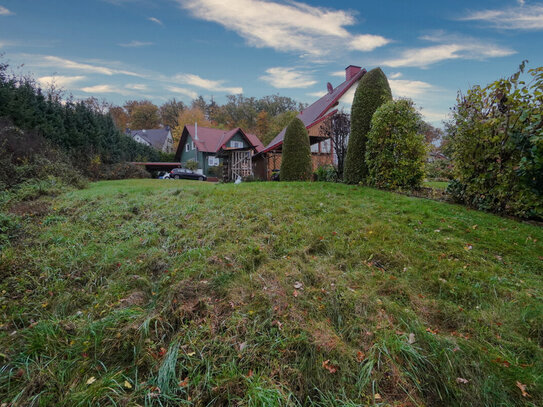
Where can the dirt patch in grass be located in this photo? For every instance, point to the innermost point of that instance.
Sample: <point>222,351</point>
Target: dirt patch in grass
<point>31,208</point>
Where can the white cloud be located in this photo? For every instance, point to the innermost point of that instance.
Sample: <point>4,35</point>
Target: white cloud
<point>102,89</point>
<point>368,42</point>
<point>339,74</point>
<point>155,20</point>
<point>59,81</point>
<point>435,117</point>
<point>395,75</point>
<point>182,91</point>
<point>317,94</point>
<point>282,77</point>
<point>524,17</point>
<point>135,44</point>
<point>449,48</point>
<point>292,27</point>
<point>408,88</point>
<point>136,86</point>
<point>5,12</point>
<point>199,82</point>
<point>61,63</point>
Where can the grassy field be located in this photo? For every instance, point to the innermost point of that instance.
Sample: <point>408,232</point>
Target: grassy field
<point>436,184</point>
<point>173,293</point>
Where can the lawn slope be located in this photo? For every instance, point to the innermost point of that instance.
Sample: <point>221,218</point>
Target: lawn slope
<point>168,293</point>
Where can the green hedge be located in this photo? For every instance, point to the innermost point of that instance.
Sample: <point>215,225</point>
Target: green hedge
<point>296,160</point>
<point>395,150</point>
<point>373,90</point>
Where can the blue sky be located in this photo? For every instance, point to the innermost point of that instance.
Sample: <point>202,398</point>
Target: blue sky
<point>159,49</point>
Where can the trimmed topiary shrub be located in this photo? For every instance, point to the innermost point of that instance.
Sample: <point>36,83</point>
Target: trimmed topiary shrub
<point>395,150</point>
<point>373,90</point>
<point>296,160</point>
<point>496,144</point>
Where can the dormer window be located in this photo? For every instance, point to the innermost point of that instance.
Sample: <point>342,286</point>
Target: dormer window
<point>236,144</point>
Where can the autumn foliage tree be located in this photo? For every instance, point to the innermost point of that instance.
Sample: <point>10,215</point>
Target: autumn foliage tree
<point>296,159</point>
<point>373,90</point>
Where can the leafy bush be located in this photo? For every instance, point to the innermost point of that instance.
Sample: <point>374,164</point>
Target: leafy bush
<point>122,171</point>
<point>496,144</point>
<point>296,161</point>
<point>191,165</point>
<point>326,173</point>
<point>216,171</point>
<point>439,170</point>
<point>395,150</point>
<point>372,91</point>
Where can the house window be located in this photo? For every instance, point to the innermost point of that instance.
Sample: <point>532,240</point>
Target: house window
<point>326,146</point>
<point>213,161</point>
<point>187,148</point>
<point>193,146</point>
<point>236,144</point>
<point>315,148</point>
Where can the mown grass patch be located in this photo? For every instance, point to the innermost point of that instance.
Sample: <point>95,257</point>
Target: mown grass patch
<point>151,292</point>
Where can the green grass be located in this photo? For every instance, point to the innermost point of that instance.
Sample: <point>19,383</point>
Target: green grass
<point>168,293</point>
<point>436,184</point>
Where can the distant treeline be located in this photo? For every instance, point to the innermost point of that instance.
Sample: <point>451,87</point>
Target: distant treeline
<point>79,128</point>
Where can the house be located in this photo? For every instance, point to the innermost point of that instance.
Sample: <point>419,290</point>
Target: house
<point>160,139</point>
<point>314,116</point>
<point>218,153</point>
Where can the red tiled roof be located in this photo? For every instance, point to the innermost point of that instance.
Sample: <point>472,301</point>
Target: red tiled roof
<point>211,140</point>
<point>314,113</point>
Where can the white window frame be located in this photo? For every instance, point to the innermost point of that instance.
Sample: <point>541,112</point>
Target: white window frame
<point>236,144</point>
<point>213,161</point>
<point>193,146</point>
<point>187,147</point>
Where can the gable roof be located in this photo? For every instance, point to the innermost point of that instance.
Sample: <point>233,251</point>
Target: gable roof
<point>316,112</point>
<point>155,137</point>
<point>212,140</point>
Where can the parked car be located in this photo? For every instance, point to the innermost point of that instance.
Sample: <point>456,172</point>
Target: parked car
<point>163,175</point>
<point>184,173</point>
<point>275,175</point>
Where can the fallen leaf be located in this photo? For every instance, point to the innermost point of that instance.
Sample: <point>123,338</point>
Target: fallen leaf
<point>328,366</point>
<point>377,397</point>
<point>411,338</point>
<point>522,388</point>
<point>127,384</point>
<point>250,374</point>
<point>298,285</point>
<point>91,380</point>
<point>360,356</point>
<point>295,293</point>
<point>468,247</point>
<point>461,380</point>
<point>184,382</point>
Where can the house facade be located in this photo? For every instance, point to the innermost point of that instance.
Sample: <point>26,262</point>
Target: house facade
<point>160,139</point>
<point>314,117</point>
<point>212,149</point>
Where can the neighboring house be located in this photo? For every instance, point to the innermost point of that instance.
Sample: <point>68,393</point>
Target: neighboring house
<point>160,139</point>
<point>269,159</point>
<point>218,153</point>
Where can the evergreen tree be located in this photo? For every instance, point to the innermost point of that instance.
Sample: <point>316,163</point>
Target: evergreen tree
<point>373,90</point>
<point>296,160</point>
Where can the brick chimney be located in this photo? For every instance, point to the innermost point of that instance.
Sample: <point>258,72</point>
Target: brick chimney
<point>351,71</point>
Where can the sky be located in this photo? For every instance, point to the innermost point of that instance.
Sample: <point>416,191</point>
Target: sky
<point>120,50</point>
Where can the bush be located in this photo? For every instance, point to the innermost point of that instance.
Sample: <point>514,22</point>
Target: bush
<point>122,171</point>
<point>372,91</point>
<point>395,150</point>
<point>191,165</point>
<point>296,160</point>
<point>439,170</point>
<point>326,173</point>
<point>496,144</point>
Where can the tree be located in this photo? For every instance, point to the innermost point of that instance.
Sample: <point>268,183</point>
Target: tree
<point>262,124</point>
<point>337,128</point>
<point>373,90</point>
<point>145,116</point>
<point>277,124</point>
<point>188,117</point>
<point>296,159</point>
<point>495,140</point>
<point>120,117</point>
<point>395,148</point>
<point>432,135</point>
<point>169,112</point>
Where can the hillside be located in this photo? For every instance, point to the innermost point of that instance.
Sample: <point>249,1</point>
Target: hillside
<point>150,292</point>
